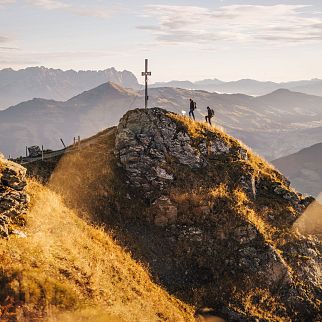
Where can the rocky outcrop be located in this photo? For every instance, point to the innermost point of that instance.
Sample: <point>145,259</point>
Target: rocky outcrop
<point>224,216</point>
<point>143,145</point>
<point>13,197</point>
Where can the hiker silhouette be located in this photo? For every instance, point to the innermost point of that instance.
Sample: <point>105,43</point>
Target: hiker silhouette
<point>210,115</point>
<point>193,106</point>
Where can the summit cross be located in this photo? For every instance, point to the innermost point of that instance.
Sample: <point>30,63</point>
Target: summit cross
<point>146,73</point>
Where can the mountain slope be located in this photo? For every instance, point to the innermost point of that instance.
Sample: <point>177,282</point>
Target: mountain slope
<point>304,169</point>
<point>213,221</point>
<point>65,269</point>
<point>25,84</point>
<point>261,122</point>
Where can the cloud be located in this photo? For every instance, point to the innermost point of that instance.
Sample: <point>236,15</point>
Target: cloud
<point>8,48</point>
<point>97,11</point>
<point>20,58</point>
<point>49,4</point>
<point>275,24</point>
<point>3,3</point>
<point>4,39</point>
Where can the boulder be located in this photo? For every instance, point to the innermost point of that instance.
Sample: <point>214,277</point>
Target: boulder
<point>145,141</point>
<point>13,198</point>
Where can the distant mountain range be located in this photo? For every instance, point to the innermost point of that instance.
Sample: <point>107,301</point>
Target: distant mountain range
<point>274,125</point>
<point>304,169</point>
<point>247,86</point>
<point>25,84</point>
<point>40,82</point>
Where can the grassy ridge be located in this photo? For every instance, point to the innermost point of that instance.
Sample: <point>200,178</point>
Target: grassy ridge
<point>66,264</point>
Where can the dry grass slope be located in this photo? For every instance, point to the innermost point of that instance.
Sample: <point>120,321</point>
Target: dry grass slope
<point>67,265</point>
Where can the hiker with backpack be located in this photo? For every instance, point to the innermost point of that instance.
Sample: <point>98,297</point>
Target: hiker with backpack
<point>210,115</point>
<point>193,106</point>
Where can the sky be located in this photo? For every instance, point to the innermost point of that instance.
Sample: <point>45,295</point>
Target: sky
<point>184,40</point>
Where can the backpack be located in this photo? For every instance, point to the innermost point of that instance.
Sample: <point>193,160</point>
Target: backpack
<point>195,106</point>
<point>212,112</point>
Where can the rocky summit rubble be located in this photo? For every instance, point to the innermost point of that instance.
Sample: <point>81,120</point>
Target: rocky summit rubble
<point>13,197</point>
<point>217,220</point>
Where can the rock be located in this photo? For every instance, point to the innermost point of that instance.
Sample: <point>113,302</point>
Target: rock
<point>164,211</point>
<point>245,234</point>
<point>218,147</point>
<point>19,233</point>
<point>243,154</point>
<point>4,222</point>
<point>13,198</point>
<point>161,173</point>
<point>13,175</point>
<point>142,146</point>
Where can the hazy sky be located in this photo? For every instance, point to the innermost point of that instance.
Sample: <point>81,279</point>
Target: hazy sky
<point>227,39</point>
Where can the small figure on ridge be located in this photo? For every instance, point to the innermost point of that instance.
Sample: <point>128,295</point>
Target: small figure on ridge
<point>210,115</point>
<point>193,106</point>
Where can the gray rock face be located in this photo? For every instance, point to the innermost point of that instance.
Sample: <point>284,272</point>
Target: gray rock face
<point>13,198</point>
<point>145,142</point>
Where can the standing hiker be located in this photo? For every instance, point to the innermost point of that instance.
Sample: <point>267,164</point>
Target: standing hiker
<point>193,106</point>
<point>210,115</point>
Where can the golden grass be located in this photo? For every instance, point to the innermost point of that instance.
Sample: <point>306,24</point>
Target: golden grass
<point>259,303</point>
<point>66,264</point>
<point>201,130</point>
<point>242,207</point>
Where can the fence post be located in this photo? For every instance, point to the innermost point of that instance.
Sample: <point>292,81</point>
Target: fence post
<point>42,153</point>
<point>26,152</point>
<point>79,143</point>
<point>63,143</point>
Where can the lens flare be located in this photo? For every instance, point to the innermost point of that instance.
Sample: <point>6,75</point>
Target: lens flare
<point>310,223</point>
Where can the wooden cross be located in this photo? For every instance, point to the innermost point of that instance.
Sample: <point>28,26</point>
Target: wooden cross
<point>146,74</point>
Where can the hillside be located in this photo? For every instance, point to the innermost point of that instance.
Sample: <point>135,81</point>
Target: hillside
<point>214,222</point>
<point>304,169</point>
<point>273,125</point>
<point>25,84</point>
<point>61,268</point>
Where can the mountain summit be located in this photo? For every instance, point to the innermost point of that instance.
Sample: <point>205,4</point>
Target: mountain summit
<point>212,221</point>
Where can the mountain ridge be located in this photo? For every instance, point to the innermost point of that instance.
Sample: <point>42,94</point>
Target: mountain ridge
<point>214,222</point>
<point>248,86</point>
<point>20,85</point>
<point>284,117</point>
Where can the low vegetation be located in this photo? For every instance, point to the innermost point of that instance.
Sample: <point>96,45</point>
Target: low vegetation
<point>68,270</point>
